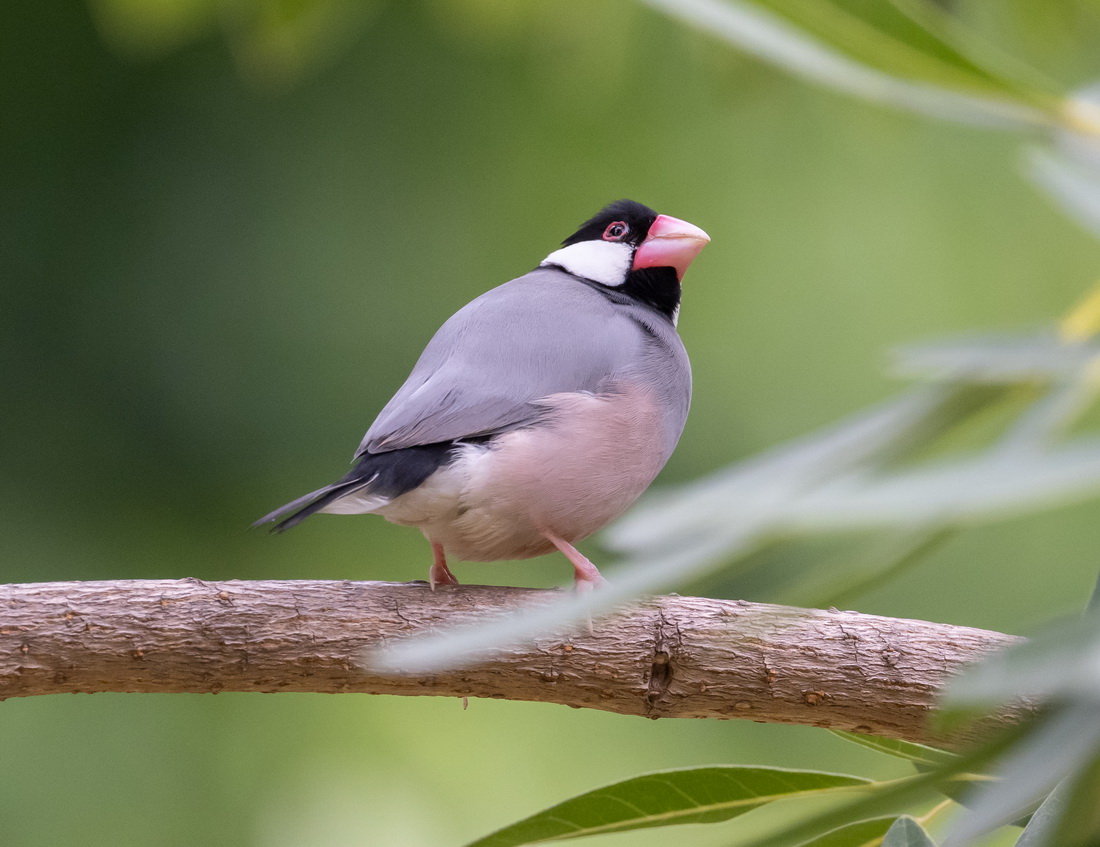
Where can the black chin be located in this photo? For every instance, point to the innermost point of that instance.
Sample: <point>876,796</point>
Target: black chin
<point>658,288</point>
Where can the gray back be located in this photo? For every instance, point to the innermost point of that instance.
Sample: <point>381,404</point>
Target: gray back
<point>544,333</point>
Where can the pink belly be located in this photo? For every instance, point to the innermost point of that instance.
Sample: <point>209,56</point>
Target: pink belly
<point>572,476</point>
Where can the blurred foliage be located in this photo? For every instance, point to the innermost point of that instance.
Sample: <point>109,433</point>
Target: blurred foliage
<point>229,227</point>
<point>275,43</point>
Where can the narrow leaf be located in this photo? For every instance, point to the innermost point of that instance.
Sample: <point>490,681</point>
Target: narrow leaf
<point>868,833</point>
<point>1071,180</point>
<point>838,581</point>
<point>1043,823</point>
<point>769,36</point>
<point>996,359</point>
<point>1053,414</point>
<point>694,795</point>
<point>879,36</point>
<point>991,485</point>
<point>906,832</point>
<point>1079,823</point>
<point>966,41</point>
<point>919,753</point>
<point>1062,743</point>
<point>886,797</point>
<point>1060,664</point>
<point>761,486</point>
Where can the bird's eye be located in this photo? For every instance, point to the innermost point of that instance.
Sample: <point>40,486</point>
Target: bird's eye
<point>616,231</point>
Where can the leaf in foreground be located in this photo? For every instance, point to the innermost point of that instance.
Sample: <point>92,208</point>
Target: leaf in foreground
<point>1064,741</point>
<point>1061,664</point>
<point>906,832</point>
<point>1045,820</point>
<point>1070,816</point>
<point>919,753</point>
<point>867,833</point>
<point>883,798</point>
<point>839,55</point>
<point>693,795</point>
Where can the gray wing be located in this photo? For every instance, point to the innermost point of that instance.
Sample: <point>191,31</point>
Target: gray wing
<point>488,366</point>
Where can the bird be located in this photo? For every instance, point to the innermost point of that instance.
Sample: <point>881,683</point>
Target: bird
<point>541,410</point>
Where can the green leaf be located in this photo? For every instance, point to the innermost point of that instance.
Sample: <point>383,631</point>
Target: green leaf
<point>1079,823</point>
<point>836,481</point>
<point>995,484</point>
<point>880,36</point>
<point>908,750</point>
<point>694,795</point>
<point>996,359</point>
<point>1067,165</point>
<point>1052,415</point>
<point>1069,816</point>
<point>868,833</point>
<point>839,580</point>
<point>937,19</point>
<point>884,798</point>
<point>906,832</point>
<point>1043,823</point>
<point>873,52</point>
<point>925,758</point>
<point>1064,742</point>
<point>1060,664</point>
<point>760,488</point>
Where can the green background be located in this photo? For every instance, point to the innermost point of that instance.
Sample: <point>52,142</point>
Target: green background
<point>221,251</point>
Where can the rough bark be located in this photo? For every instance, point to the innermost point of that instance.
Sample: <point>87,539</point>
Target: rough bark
<point>684,657</point>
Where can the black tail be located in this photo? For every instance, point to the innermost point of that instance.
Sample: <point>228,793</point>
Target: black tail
<point>296,511</point>
<point>387,474</point>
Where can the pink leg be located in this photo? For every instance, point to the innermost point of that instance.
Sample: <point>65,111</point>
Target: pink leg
<point>585,575</point>
<point>440,574</point>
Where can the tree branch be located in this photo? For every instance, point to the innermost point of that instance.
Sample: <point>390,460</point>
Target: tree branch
<point>685,657</point>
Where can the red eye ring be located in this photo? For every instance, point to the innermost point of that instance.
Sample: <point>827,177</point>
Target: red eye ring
<point>616,231</point>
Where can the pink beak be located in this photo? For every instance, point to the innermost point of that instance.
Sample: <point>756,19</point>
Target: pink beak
<point>671,243</point>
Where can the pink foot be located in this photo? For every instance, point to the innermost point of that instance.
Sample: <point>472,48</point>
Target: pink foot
<point>585,575</point>
<point>440,574</point>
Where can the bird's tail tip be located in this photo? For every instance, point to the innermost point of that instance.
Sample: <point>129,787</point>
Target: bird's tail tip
<point>296,511</point>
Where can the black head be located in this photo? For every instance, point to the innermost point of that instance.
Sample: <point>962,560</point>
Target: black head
<point>634,219</point>
<point>633,254</point>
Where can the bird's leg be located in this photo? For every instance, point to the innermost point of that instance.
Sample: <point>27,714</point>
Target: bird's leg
<point>585,575</point>
<point>440,574</point>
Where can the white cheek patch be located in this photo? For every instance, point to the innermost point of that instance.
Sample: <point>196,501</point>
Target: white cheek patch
<point>605,262</point>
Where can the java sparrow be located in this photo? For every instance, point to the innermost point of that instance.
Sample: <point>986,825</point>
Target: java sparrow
<point>541,410</point>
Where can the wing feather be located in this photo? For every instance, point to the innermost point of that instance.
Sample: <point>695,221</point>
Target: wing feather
<point>489,366</point>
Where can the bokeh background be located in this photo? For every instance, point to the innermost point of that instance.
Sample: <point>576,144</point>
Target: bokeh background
<point>228,228</point>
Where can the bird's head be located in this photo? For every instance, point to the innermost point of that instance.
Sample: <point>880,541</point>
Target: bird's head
<point>629,247</point>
